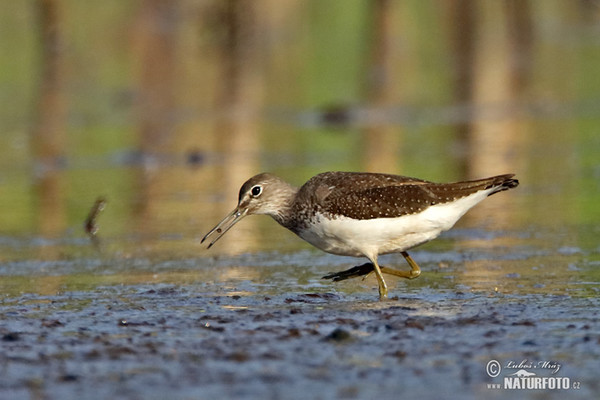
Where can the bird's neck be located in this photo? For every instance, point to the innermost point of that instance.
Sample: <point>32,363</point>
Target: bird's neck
<point>285,198</point>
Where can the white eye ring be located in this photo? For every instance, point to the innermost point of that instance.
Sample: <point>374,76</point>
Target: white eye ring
<point>256,191</point>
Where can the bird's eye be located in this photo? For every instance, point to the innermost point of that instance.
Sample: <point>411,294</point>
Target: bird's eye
<point>256,191</point>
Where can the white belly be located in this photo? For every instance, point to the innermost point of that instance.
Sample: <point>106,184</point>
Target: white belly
<point>352,237</point>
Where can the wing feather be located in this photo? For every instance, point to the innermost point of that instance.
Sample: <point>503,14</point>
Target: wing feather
<point>368,196</point>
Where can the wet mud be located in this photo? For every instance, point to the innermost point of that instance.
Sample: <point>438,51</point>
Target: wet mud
<point>208,340</point>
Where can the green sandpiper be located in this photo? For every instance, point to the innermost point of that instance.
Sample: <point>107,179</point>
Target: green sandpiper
<point>362,214</point>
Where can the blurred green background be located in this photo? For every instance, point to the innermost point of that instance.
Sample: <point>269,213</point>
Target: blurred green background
<point>167,107</point>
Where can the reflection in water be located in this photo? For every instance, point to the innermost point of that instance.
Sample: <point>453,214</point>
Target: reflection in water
<point>218,82</point>
<point>495,270</point>
<point>490,74</point>
<point>381,139</point>
<point>48,134</point>
<point>461,15</point>
<point>239,99</point>
<point>156,39</point>
<point>492,144</point>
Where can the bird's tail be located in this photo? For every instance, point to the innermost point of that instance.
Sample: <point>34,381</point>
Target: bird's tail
<point>493,185</point>
<point>500,183</point>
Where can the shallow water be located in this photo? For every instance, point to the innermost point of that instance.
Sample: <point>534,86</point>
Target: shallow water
<point>264,324</point>
<point>144,310</point>
<point>152,313</point>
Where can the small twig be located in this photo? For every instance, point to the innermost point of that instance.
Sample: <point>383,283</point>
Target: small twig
<point>91,228</point>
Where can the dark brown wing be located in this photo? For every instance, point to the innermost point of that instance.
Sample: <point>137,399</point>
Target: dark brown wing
<point>368,196</point>
<point>351,180</point>
<point>380,202</point>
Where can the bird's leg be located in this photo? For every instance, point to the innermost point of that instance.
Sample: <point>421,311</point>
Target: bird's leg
<point>383,291</point>
<point>414,272</point>
<point>363,270</point>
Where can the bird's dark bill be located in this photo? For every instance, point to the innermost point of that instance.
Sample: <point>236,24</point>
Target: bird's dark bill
<point>222,227</point>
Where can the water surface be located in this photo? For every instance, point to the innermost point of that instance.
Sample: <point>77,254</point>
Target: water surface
<point>166,124</point>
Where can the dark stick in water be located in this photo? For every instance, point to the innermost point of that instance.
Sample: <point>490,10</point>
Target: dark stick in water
<point>91,228</point>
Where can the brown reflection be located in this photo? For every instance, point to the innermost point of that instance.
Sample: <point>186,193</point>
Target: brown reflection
<point>48,134</point>
<point>461,20</point>
<point>381,140</point>
<point>495,76</point>
<point>501,77</point>
<point>492,72</point>
<point>239,100</point>
<point>157,34</point>
<point>156,44</point>
<point>520,40</point>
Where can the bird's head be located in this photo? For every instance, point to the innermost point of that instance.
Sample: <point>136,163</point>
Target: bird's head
<point>262,194</point>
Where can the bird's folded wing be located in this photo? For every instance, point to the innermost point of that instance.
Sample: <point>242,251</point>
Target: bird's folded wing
<point>380,202</point>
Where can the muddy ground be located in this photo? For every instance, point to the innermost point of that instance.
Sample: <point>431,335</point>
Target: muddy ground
<point>211,339</point>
